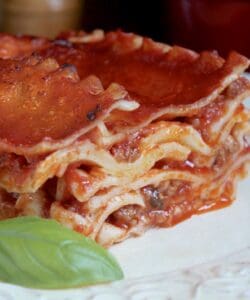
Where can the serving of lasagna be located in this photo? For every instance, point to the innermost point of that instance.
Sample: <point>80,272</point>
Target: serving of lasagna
<point>112,134</point>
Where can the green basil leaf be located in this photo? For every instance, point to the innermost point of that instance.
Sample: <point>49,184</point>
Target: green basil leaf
<point>41,253</point>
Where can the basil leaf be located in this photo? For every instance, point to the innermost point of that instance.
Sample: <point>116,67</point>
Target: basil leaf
<point>41,253</point>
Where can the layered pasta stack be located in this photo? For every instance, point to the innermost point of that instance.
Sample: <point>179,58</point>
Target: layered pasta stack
<point>111,134</point>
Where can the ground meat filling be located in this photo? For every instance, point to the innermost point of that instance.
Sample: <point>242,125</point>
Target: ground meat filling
<point>127,151</point>
<point>168,201</point>
<point>153,198</point>
<point>229,150</point>
<point>127,216</point>
<point>162,203</point>
<point>7,205</point>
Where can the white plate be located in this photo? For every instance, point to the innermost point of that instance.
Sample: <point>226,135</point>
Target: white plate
<point>204,258</point>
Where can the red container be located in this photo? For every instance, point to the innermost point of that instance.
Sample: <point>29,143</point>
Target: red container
<point>210,24</point>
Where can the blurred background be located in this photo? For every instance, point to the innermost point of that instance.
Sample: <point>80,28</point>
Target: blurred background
<point>197,24</point>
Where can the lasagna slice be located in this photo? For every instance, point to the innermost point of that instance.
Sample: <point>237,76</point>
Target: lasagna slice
<point>112,134</point>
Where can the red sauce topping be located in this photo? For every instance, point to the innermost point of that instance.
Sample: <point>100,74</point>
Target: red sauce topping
<point>152,76</point>
<point>51,102</point>
<point>39,100</point>
<point>13,46</point>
